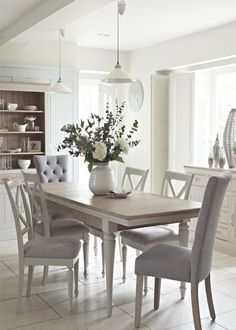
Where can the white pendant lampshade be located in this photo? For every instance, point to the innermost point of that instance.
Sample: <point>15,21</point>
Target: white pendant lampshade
<point>118,76</point>
<point>60,87</point>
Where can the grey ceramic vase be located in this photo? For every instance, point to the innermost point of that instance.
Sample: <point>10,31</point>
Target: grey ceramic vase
<point>229,137</point>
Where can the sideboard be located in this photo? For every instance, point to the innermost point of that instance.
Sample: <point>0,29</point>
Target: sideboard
<point>226,230</point>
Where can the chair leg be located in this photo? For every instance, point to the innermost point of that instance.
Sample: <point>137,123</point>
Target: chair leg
<point>20,286</point>
<point>88,244</point>
<point>30,277</point>
<point>45,274</point>
<point>157,293</point>
<point>138,300</point>
<point>195,307</point>
<point>95,246</point>
<point>103,259</point>
<point>76,272</point>
<point>145,290</point>
<point>124,258</point>
<point>182,289</point>
<point>70,287</point>
<point>85,251</point>
<point>120,246</point>
<point>209,297</point>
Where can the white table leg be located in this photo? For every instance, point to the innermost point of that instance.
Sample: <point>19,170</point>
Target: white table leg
<point>109,253</point>
<point>183,240</point>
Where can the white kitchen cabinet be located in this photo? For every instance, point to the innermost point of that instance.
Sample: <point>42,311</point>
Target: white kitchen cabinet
<point>6,216</point>
<point>226,229</point>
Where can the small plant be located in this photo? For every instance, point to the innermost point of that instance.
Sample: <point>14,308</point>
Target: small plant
<point>210,155</point>
<point>222,158</point>
<point>234,147</point>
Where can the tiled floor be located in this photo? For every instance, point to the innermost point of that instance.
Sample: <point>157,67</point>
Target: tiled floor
<point>47,308</point>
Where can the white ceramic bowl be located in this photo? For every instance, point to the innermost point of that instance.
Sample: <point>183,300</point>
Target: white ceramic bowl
<point>12,106</point>
<point>24,163</point>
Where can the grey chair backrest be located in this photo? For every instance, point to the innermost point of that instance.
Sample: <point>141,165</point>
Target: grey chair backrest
<point>206,226</point>
<point>171,179</point>
<point>18,199</point>
<point>130,173</point>
<point>52,168</point>
<point>39,210</point>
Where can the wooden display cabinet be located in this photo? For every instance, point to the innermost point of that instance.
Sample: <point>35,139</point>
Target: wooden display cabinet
<point>31,142</point>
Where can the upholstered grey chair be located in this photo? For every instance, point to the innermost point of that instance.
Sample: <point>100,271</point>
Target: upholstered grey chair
<point>176,185</point>
<point>134,179</point>
<point>52,168</point>
<point>184,264</point>
<point>43,227</point>
<point>40,251</point>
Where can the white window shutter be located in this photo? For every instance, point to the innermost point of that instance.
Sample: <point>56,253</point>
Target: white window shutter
<point>181,116</point>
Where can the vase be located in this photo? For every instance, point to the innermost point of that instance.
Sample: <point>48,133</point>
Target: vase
<point>101,179</point>
<point>229,137</point>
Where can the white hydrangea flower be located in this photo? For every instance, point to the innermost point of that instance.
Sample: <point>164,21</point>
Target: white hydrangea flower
<point>100,151</point>
<point>122,144</point>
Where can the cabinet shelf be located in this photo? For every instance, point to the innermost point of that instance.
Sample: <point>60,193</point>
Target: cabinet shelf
<point>26,132</point>
<point>21,153</point>
<point>21,111</point>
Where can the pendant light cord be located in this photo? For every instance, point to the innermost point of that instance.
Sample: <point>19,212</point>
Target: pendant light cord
<point>118,36</point>
<point>59,55</point>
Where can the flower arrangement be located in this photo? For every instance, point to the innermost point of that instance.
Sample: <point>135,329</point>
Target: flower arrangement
<point>100,139</point>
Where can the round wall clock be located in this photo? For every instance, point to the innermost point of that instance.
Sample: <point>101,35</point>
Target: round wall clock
<point>136,95</point>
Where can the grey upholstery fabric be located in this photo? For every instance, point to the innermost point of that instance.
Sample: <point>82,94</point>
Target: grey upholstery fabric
<point>183,264</point>
<point>64,248</point>
<point>148,235</point>
<point>64,228</point>
<point>52,168</point>
<point>206,227</point>
<point>165,261</point>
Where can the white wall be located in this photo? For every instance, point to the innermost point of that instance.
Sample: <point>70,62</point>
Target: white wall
<point>45,53</point>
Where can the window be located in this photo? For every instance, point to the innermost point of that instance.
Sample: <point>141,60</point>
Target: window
<point>215,96</point>
<point>93,97</point>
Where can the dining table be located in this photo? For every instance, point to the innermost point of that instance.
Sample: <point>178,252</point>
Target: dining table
<point>111,215</point>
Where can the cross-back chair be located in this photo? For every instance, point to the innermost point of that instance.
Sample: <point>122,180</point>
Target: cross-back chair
<point>136,179</point>
<point>45,227</point>
<point>184,264</point>
<point>176,185</point>
<point>39,251</point>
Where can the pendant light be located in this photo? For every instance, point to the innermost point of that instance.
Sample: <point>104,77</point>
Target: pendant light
<point>60,87</point>
<point>118,76</point>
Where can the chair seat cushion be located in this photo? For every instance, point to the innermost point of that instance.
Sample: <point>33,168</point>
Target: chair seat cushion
<point>165,261</point>
<point>53,215</point>
<point>63,248</point>
<point>149,235</point>
<point>64,228</point>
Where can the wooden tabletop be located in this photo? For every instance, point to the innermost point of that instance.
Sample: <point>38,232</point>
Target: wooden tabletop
<point>138,205</point>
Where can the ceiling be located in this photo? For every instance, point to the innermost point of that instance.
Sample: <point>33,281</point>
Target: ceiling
<point>92,23</point>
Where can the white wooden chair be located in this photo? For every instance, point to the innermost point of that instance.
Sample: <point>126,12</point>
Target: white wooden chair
<point>42,226</point>
<point>135,179</point>
<point>39,251</point>
<point>176,185</point>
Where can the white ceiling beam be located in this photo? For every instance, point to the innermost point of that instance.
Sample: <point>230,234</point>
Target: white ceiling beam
<point>35,16</point>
